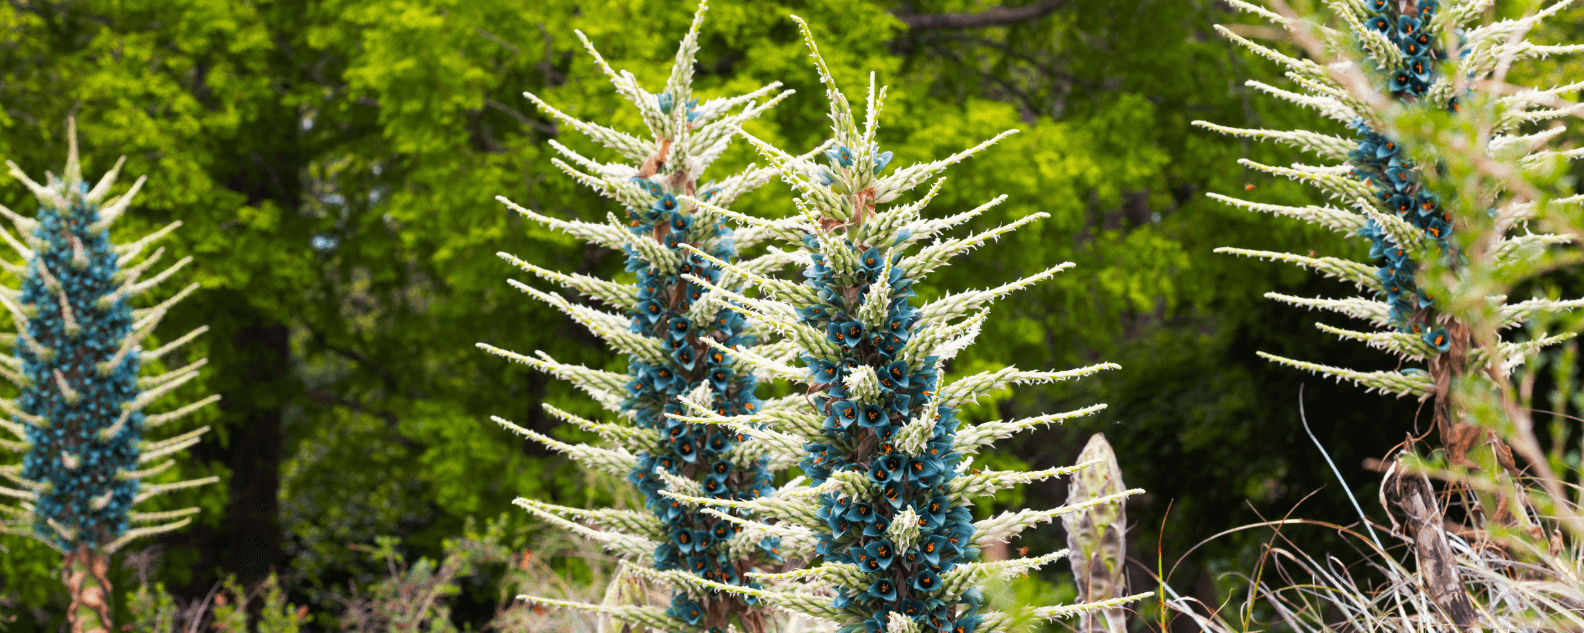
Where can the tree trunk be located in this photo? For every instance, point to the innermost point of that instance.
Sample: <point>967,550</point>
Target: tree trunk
<point>253,512</point>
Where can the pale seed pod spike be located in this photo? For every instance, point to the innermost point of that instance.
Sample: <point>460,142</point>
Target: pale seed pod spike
<point>1096,537</point>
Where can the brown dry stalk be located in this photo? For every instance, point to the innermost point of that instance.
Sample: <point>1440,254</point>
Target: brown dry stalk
<point>1412,496</point>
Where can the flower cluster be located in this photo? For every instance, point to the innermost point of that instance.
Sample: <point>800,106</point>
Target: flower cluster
<point>1399,187</point>
<point>1397,183</point>
<point>665,300</point>
<point>78,352</point>
<point>868,393</point>
<point>76,337</point>
<point>1384,193</point>
<point>885,508</point>
<point>677,344</point>
<point>1410,34</point>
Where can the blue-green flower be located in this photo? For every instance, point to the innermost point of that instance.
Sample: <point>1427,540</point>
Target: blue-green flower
<point>880,161</point>
<point>846,412</point>
<point>844,331</point>
<point>877,527</point>
<point>861,513</point>
<point>840,156</point>
<point>873,417</point>
<point>1438,339</point>
<point>883,589</point>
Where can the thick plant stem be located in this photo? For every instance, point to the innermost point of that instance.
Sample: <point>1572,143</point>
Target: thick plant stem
<point>1415,500</point>
<point>85,573</point>
<point>1471,446</point>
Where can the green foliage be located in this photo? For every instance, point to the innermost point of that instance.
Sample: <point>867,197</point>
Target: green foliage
<point>366,235</point>
<point>225,610</point>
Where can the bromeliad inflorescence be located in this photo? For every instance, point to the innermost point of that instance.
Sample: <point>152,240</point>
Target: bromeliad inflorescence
<point>78,352</point>
<point>1411,75</point>
<point>1384,194</point>
<point>886,506</point>
<point>1398,184</point>
<point>673,336</point>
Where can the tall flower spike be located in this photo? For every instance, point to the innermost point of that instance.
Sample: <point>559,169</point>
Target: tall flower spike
<point>886,511</point>
<point>1386,198</point>
<point>1382,193</point>
<point>677,344</point>
<point>79,415</point>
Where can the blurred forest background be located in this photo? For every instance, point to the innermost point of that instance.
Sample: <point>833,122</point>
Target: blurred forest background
<point>335,164</point>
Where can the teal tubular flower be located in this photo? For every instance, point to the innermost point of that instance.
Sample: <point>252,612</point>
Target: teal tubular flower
<point>1438,339</point>
<point>883,589</point>
<point>932,548</point>
<point>846,412</point>
<point>719,442</point>
<point>840,156</point>
<point>881,552</point>
<point>897,373</point>
<point>861,513</point>
<point>822,372</point>
<point>878,473</point>
<point>933,512</point>
<point>873,417</point>
<point>1407,27</point>
<point>878,527</point>
<point>844,331</point>
<point>682,539</point>
<point>667,204</point>
<point>893,492</point>
<point>920,468</point>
